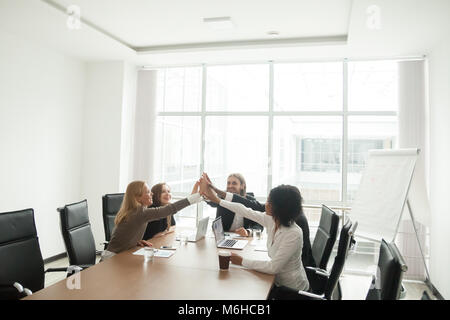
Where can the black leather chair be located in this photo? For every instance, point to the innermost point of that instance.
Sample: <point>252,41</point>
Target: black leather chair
<point>328,283</point>
<point>111,205</point>
<point>325,237</point>
<point>322,246</point>
<point>387,285</point>
<point>77,234</point>
<point>21,268</point>
<point>329,287</point>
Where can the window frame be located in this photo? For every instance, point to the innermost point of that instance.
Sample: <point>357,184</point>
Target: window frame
<point>271,114</point>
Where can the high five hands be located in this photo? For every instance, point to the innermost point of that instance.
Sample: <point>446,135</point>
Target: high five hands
<point>207,189</point>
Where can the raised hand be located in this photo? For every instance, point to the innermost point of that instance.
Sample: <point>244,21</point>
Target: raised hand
<point>206,177</point>
<point>196,187</point>
<point>204,185</point>
<point>207,192</point>
<point>219,192</point>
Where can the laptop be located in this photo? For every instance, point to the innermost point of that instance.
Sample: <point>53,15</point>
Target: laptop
<point>200,232</point>
<point>221,242</point>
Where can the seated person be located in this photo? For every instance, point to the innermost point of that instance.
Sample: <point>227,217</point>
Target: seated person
<point>235,223</point>
<point>284,237</point>
<point>161,197</point>
<point>135,213</point>
<point>301,220</point>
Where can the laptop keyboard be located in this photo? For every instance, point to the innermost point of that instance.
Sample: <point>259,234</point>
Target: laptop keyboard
<point>229,243</point>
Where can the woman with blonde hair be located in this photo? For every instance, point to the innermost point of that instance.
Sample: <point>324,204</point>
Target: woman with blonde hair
<point>135,213</point>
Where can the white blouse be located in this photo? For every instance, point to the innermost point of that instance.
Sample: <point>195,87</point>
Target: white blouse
<point>284,249</point>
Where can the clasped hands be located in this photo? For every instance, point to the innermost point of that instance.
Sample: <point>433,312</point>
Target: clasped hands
<point>207,189</point>
<point>209,192</point>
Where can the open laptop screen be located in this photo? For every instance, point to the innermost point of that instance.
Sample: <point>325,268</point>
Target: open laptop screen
<point>218,230</point>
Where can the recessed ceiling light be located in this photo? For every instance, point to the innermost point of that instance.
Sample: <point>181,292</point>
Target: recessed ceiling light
<point>219,23</point>
<point>273,33</point>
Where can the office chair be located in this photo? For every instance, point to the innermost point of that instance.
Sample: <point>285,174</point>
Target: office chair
<point>328,283</point>
<point>387,285</point>
<point>325,237</point>
<point>111,205</point>
<point>77,234</point>
<point>22,267</point>
<point>324,241</point>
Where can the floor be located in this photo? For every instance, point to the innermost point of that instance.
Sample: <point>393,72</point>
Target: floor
<point>354,286</point>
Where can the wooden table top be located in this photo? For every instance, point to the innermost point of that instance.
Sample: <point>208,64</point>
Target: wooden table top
<point>191,273</point>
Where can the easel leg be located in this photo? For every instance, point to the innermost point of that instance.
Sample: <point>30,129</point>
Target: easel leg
<point>418,240</point>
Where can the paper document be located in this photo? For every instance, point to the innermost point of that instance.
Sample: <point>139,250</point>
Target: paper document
<point>261,248</point>
<point>158,253</point>
<point>232,235</point>
<point>259,243</point>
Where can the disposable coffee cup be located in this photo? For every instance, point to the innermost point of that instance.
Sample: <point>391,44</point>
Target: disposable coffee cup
<point>224,260</point>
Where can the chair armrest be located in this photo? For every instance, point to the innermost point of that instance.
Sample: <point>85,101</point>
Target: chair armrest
<point>14,291</point>
<point>373,282</point>
<point>105,245</point>
<point>84,266</point>
<point>319,271</point>
<point>63,269</point>
<point>312,296</point>
<point>69,268</point>
<point>15,285</point>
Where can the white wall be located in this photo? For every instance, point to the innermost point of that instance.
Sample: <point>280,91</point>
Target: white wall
<point>41,109</point>
<point>101,138</point>
<point>145,126</point>
<point>66,134</point>
<point>107,142</point>
<point>439,84</point>
<point>128,124</point>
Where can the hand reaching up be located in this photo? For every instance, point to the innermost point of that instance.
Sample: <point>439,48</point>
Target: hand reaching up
<point>221,194</point>
<point>196,188</point>
<point>207,192</point>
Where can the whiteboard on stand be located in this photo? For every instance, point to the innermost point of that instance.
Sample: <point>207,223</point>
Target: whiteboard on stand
<point>382,193</point>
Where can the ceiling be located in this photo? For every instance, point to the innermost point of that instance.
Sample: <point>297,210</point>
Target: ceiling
<point>156,32</point>
<point>149,23</point>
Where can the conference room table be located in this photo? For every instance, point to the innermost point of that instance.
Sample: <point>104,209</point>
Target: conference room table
<point>191,273</point>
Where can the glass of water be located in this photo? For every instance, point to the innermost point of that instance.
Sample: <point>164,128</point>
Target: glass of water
<point>149,252</point>
<point>183,239</point>
<point>257,234</point>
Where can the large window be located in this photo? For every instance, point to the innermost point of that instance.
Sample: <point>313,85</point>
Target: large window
<point>306,124</point>
<point>307,154</point>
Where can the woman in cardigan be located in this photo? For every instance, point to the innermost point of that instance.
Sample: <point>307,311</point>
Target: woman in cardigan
<point>134,214</point>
